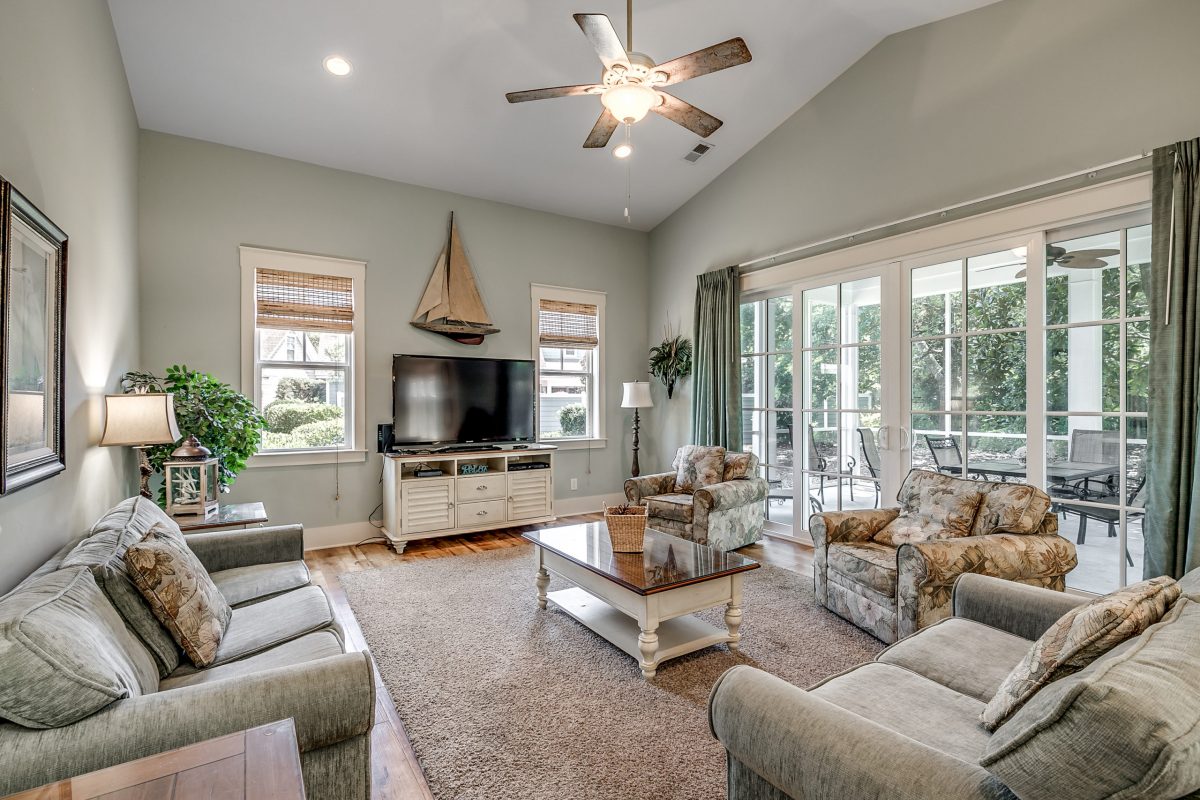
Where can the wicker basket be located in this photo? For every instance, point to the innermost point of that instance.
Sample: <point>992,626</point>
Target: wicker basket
<point>626,531</point>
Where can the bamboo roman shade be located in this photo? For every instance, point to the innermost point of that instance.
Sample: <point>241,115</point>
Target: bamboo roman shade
<point>303,301</point>
<point>570,325</point>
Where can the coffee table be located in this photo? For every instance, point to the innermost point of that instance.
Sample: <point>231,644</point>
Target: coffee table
<point>642,602</point>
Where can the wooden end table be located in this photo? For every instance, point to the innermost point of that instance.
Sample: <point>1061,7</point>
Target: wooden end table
<point>227,515</point>
<point>642,602</point>
<point>261,763</point>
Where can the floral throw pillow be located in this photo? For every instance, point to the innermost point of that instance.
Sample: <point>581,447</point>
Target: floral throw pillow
<point>698,466</point>
<point>1078,638</point>
<point>943,511</point>
<point>739,466</point>
<point>179,592</point>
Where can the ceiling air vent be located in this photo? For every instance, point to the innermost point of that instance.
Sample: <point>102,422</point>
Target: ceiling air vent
<point>700,149</point>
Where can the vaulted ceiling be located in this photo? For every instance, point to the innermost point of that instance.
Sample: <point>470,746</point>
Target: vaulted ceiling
<point>425,101</point>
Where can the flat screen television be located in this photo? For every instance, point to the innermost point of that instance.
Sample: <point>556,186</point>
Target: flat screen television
<point>440,401</point>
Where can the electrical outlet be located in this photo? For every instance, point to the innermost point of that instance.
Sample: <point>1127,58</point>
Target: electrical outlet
<point>574,484</point>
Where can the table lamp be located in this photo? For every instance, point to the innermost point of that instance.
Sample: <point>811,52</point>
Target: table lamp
<point>636,395</point>
<point>140,420</point>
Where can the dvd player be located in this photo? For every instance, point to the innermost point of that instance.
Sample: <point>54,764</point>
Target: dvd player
<point>523,465</point>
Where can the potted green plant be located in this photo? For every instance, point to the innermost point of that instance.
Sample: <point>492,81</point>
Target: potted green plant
<point>224,420</point>
<point>671,361</point>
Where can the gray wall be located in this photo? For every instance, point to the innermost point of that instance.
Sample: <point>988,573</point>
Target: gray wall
<point>68,142</point>
<point>1011,94</point>
<point>199,201</point>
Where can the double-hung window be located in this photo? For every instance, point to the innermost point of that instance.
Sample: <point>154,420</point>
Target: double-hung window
<point>304,354</point>
<point>568,339</point>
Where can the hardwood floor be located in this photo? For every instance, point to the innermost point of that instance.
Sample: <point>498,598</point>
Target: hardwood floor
<point>396,773</point>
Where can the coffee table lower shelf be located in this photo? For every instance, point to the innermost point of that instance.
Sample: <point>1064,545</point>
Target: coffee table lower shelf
<point>676,637</point>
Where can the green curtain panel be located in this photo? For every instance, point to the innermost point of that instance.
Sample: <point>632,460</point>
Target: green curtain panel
<point>716,390</point>
<point>1172,526</point>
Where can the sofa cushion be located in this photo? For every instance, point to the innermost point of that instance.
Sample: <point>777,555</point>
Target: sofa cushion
<point>932,509</point>
<point>962,655</point>
<point>259,626</point>
<point>697,466</point>
<point>1128,725</point>
<point>1010,508</point>
<point>180,593</point>
<point>677,506</point>
<point>869,564</point>
<point>52,564</point>
<point>310,647</point>
<point>242,585</point>
<point>1078,638</point>
<point>739,466</point>
<point>103,551</point>
<point>910,705</point>
<point>66,652</point>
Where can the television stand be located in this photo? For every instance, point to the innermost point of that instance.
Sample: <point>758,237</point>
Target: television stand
<point>504,495</point>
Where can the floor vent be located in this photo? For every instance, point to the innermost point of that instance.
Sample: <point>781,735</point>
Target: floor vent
<point>697,151</point>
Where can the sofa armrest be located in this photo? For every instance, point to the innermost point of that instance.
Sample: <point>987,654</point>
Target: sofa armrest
<point>1026,611</point>
<point>828,527</point>
<point>638,489</point>
<point>927,570</point>
<point>331,700</point>
<point>218,550</point>
<point>812,749</point>
<point>731,494</point>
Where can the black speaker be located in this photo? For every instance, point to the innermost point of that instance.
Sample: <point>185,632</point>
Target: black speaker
<point>385,438</point>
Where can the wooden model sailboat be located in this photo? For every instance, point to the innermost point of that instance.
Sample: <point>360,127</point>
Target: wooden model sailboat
<point>451,304</point>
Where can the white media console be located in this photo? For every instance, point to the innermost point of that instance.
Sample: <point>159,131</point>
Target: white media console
<point>456,502</point>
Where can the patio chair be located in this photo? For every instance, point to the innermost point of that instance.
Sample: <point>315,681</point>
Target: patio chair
<point>827,463</point>
<point>870,454</point>
<point>946,455</point>
<point>1109,516</point>
<point>1097,447</point>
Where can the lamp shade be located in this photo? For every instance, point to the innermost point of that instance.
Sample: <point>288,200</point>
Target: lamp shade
<point>139,419</point>
<point>636,395</point>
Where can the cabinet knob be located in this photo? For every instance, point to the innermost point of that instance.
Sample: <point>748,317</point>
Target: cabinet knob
<point>481,513</point>
<point>481,488</point>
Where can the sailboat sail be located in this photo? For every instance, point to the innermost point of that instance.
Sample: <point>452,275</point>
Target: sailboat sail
<point>451,304</point>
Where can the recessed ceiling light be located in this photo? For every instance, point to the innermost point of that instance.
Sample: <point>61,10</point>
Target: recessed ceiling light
<point>336,65</point>
<point>623,150</point>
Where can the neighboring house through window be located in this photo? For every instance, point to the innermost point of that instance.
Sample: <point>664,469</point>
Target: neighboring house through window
<point>303,354</point>
<point>568,339</point>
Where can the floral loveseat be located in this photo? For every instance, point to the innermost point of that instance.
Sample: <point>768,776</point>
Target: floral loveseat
<point>713,497</point>
<point>890,571</point>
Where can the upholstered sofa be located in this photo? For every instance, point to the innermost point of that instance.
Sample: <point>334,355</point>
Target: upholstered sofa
<point>890,571</point>
<point>906,726</point>
<point>76,637</point>
<point>726,514</point>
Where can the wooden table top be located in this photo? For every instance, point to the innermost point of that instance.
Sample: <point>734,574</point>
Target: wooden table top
<point>667,562</point>
<point>227,514</point>
<point>261,763</point>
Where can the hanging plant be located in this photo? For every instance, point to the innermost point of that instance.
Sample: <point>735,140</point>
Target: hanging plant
<point>671,361</point>
<point>224,420</point>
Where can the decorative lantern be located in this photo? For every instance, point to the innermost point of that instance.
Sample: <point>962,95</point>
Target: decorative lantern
<point>191,480</point>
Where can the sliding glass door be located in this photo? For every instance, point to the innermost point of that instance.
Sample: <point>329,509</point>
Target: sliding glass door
<point>766,336</point>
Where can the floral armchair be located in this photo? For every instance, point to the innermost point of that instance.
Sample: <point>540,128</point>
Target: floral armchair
<point>713,497</point>
<point>891,571</point>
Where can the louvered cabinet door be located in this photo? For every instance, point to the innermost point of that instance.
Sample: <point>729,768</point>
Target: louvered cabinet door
<point>528,494</point>
<point>427,505</point>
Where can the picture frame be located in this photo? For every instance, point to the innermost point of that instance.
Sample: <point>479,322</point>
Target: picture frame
<point>33,307</point>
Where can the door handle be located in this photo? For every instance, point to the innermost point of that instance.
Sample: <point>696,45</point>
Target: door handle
<point>905,439</point>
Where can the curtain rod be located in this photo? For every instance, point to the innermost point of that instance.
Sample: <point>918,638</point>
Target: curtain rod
<point>1124,168</point>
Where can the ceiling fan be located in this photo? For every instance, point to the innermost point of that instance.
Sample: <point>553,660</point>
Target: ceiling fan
<point>1074,259</point>
<point>632,84</point>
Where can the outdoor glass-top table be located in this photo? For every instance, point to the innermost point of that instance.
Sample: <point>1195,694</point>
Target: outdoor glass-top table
<point>1059,472</point>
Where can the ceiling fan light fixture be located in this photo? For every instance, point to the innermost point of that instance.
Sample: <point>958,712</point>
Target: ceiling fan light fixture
<point>623,150</point>
<point>630,102</point>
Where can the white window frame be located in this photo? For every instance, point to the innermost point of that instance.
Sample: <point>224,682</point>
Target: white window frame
<point>253,258</point>
<point>539,292</point>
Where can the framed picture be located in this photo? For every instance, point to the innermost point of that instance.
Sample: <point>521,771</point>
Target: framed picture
<point>33,306</point>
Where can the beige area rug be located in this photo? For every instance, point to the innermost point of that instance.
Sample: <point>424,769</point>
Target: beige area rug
<point>506,702</point>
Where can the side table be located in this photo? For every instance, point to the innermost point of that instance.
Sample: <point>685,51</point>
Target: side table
<point>261,763</point>
<point>227,515</point>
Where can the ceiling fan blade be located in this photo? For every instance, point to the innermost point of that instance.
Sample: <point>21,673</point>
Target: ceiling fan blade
<point>602,131</point>
<point>684,113</point>
<point>1082,263</point>
<point>1099,252</point>
<point>702,62</point>
<point>599,31</point>
<point>553,91</point>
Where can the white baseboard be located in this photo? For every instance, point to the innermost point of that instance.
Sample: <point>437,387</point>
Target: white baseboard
<point>349,533</point>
